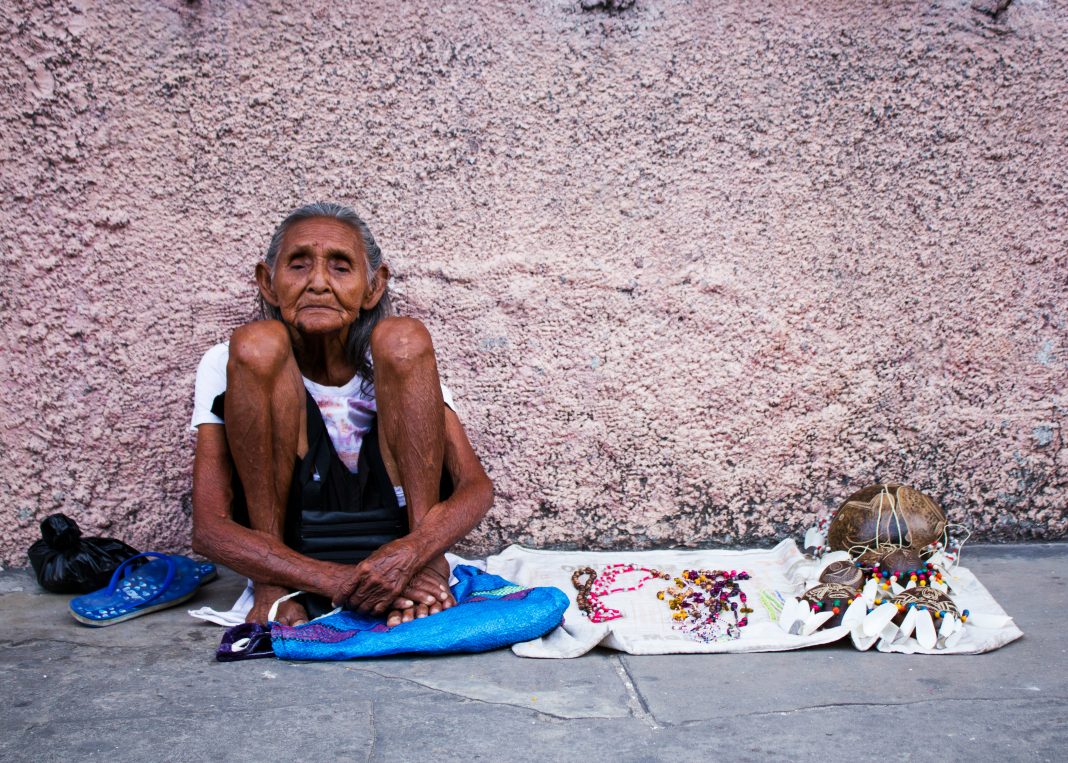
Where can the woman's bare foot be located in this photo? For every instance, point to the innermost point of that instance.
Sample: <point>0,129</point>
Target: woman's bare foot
<point>264,596</point>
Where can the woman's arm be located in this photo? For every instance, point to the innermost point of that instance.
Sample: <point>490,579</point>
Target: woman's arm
<point>449,521</point>
<point>370,585</point>
<point>255,554</point>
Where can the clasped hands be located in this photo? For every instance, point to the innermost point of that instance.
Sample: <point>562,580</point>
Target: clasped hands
<point>391,579</point>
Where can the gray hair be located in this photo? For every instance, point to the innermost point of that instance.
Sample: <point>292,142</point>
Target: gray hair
<point>359,341</point>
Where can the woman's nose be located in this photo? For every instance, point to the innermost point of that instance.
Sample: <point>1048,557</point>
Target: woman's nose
<point>317,279</point>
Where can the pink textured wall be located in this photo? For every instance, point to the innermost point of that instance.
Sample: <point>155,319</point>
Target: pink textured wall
<point>694,270</point>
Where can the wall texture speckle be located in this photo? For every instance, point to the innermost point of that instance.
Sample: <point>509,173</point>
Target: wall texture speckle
<point>694,271</point>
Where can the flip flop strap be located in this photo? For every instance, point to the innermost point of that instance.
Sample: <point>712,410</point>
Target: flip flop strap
<point>249,643</point>
<point>274,608</point>
<point>123,569</point>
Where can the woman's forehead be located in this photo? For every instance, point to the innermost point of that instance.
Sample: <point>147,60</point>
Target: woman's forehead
<point>322,233</point>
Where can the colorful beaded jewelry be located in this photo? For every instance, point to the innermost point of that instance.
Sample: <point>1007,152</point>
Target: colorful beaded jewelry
<point>596,586</point>
<point>885,577</point>
<point>700,599</point>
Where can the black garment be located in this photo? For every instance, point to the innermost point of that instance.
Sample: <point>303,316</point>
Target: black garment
<point>332,514</point>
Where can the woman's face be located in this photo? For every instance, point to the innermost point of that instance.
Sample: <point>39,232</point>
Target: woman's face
<point>319,281</point>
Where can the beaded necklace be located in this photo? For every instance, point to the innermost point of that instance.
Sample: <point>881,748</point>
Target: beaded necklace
<point>887,579</point>
<point>596,586</point>
<point>699,599</point>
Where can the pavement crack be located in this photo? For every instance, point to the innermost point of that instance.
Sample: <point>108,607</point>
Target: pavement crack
<point>176,714</point>
<point>459,695</point>
<point>639,708</point>
<point>374,732</point>
<point>880,705</point>
<point>79,644</point>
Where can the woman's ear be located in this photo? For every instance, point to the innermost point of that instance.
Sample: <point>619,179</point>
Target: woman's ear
<point>376,288</point>
<point>263,280</point>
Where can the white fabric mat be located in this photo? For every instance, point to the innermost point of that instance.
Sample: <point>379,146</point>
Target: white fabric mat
<point>646,625</point>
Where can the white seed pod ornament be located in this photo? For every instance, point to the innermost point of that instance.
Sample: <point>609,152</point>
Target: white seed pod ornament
<point>831,599</point>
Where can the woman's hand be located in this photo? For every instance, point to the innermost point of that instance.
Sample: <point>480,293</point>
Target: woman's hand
<point>374,585</point>
<point>427,594</point>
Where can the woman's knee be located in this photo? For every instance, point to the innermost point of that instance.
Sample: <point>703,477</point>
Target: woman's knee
<point>262,348</point>
<point>401,344</point>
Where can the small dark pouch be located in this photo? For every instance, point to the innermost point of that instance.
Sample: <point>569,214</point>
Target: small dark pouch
<point>247,641</point>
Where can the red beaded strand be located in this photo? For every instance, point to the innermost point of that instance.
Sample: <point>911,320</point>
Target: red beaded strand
<point>596,587</point>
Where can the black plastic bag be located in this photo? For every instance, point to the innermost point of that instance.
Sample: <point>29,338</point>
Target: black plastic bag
<point>65,562</point>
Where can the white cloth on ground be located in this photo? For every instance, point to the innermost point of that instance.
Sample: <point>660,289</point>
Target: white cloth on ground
<point>646,625</point>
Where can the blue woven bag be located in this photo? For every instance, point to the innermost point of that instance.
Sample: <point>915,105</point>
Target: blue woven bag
<point>490,613</point>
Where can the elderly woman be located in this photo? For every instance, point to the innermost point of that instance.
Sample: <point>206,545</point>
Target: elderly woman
<point>329,458</point>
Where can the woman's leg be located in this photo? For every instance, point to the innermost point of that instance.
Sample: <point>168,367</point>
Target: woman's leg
<point>411,427</point>
<point>411,412</point>
<point>266,429</point>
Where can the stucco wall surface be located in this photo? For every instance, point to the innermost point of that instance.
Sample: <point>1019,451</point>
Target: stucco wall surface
<point>694,270</point>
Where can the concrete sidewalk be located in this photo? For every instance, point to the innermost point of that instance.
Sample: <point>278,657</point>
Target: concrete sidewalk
<point>150,689</point>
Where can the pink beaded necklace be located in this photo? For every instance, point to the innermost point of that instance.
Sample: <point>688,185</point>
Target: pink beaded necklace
<point>597,586</point>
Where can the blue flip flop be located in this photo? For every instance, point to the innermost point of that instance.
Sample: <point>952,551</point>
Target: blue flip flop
<point>138,587</point>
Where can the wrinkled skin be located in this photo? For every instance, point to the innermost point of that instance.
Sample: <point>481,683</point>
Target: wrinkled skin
<point>320,284</point>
